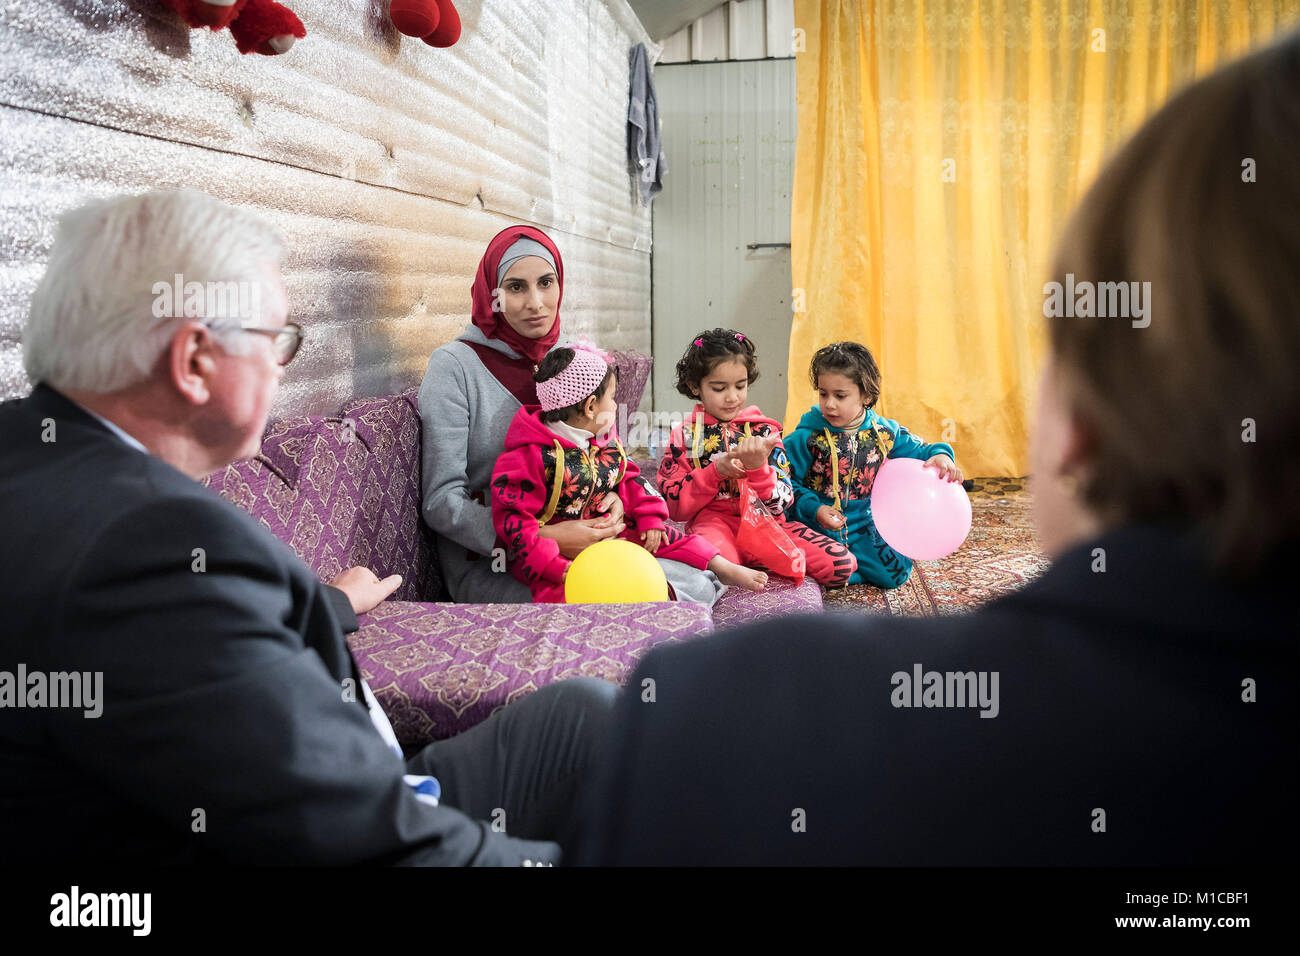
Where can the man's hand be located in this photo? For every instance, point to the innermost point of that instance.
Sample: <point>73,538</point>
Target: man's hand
<point>364,589</point>
<point>754,451</point>
<point>945,466</point>
<point>829,518</point>
<point>652,539</point>
<point>574,536</point>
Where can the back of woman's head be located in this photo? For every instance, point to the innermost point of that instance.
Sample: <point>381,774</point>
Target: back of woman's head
<point>1193,409</point>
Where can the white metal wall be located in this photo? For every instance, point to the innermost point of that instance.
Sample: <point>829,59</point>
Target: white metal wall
<point>736,30</point>
<point>387,163</point>
<point>729,138</point>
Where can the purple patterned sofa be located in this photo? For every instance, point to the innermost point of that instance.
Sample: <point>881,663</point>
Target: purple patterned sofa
<point>345,490</point>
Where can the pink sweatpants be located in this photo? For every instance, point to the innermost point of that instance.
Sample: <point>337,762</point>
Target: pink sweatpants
<point>829,563</point>
<point>692,549</point>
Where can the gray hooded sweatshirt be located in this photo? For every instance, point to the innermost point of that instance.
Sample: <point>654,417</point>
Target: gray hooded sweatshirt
<point>465,414</point>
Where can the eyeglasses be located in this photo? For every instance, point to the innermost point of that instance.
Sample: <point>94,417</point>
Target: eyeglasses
<point>284,341</point>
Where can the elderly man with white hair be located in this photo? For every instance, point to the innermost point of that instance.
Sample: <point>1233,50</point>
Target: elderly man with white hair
<point>223,731</point>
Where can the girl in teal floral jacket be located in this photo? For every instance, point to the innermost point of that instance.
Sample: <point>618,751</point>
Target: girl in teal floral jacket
<point>836,451</point>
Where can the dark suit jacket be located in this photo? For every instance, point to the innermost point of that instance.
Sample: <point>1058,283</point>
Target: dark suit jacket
<point>222,689</point>
<point>1120,693</point>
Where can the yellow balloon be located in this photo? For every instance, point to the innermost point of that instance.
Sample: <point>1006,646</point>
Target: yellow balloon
<point>615,572</point>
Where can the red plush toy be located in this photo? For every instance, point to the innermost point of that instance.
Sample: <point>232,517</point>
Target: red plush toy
<point>448,31</point>
<point>434,21</point>
<point>259,26</point>
<point>415,18</point>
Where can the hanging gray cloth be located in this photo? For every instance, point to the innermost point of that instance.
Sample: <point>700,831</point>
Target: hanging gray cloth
<point>644,149</point>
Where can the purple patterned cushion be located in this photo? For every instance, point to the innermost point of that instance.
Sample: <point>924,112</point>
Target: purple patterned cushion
<point>439,669</point>
<point>307,485</point>
<point>392,538</point>
<point>781,596</point>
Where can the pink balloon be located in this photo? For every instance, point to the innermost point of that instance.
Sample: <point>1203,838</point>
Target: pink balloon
<point>919,515</point>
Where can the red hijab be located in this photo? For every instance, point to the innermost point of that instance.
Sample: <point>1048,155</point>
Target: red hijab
<point>494,324</point>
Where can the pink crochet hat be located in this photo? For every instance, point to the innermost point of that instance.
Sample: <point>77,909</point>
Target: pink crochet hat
<point>579,380</point>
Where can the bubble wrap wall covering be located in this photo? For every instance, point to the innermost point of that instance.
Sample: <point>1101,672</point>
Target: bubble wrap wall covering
<point>387,163</point>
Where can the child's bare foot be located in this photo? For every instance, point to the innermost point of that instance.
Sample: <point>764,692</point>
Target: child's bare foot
<point>742,577</point>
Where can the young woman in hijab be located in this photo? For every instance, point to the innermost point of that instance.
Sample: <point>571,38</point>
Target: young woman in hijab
<point>470,393</point>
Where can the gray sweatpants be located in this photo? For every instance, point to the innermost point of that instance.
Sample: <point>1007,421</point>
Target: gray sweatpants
<point>479,584</point>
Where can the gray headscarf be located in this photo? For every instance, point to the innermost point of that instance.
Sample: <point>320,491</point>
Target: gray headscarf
<point>520,249</point>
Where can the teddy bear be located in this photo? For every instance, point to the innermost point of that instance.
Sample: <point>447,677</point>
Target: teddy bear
<point>259,26</point>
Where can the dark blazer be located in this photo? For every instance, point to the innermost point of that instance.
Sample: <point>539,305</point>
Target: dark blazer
<point>1120,692</point>
<point>226,733</point>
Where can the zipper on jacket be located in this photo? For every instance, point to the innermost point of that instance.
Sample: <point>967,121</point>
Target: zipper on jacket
<point>592,468</point>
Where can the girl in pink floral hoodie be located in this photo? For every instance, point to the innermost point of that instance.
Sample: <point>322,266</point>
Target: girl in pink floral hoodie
<point>561,458</point>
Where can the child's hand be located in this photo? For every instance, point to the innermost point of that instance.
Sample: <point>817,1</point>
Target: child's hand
<point>652,539</point>
<point>753,451</point>
<point>945,466</point>
<point>729,467</point>
<point>829,518</point>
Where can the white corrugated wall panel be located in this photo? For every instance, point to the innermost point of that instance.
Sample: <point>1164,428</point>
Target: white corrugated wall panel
<point>729,134</point>
<point>387,163</point>
<point>747,26</point>
<point>677,48</point>
<point>736,30</point>
<point>780,28</point>
<point>709,36</point>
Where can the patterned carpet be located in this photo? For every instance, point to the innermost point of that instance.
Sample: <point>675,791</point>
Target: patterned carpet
<point>999,556</point>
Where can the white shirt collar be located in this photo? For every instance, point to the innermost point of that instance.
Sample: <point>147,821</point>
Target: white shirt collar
<point>119,432</point>
<point>579,436</point>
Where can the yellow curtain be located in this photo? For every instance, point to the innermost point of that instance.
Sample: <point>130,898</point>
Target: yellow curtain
<point>941,146</point>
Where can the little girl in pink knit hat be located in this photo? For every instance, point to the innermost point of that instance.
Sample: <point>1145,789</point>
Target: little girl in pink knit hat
<point>561,459</point>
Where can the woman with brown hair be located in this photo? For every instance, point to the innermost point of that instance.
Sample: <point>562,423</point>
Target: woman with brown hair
<point>1136,704</point>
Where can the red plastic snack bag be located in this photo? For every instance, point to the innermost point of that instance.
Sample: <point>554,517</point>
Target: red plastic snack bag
<point>761,539</point>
